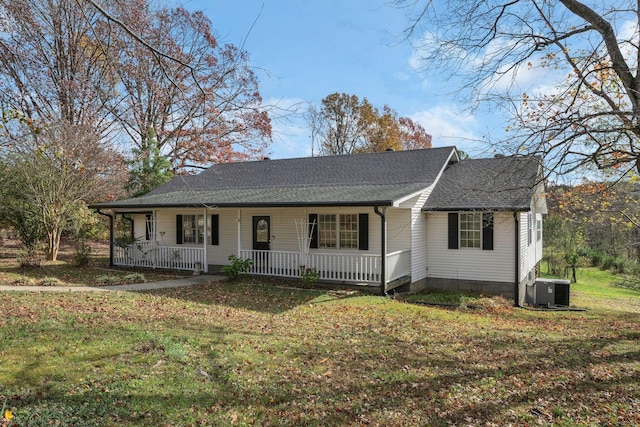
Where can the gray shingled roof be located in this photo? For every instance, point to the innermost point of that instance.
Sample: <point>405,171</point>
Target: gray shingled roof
<point>501,183</point>
<point>358,179</point>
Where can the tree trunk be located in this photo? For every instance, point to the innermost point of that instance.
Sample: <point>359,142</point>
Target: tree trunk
<point>54,243</point>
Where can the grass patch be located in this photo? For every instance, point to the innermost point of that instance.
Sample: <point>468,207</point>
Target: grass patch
<point>249,353</point>
<point>598,290</point>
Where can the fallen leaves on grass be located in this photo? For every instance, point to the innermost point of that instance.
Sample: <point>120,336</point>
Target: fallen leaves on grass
<point>248,353</point>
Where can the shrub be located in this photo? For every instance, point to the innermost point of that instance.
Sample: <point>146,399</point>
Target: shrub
<point>23,281</point>
<point>596,258</point>
<point>623,265</point>
<point>30,258</point>
<point>237,267</point>
<point>309,275</point>
<point>50,281</point>
<point>134,278</point>
<point>107,279</point>
<point>608,261</point>
<point>82,254</point>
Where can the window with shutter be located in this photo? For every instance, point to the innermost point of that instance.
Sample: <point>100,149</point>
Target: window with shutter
<point>470,230</point>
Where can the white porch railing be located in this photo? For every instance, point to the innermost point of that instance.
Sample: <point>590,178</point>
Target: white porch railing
<point>398,265</point>
<point>146,254</point>
<point>362,268</point>
<point>359,268</point>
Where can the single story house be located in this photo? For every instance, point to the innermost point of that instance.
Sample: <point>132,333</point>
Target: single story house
<point>417,219</point>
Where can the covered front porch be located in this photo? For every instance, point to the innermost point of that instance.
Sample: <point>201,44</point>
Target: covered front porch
<point>335,267</point>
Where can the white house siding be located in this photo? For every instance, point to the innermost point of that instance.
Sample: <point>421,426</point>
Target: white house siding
<point>418,235</point>
<point>495,265</point>
<point>530,254</point>
<point>418,232</point>
<point>139,226</point>
<point>398,229</point>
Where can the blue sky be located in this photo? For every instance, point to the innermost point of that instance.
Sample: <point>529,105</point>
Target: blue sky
<point>304,50</point>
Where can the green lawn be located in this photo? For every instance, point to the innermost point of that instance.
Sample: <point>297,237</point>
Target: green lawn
<point>253,353</point>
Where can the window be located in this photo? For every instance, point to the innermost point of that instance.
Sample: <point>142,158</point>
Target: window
<point>470,230</point>
<point>339,231</point>
<point>190,229</point>
<point>327,231</point>
<point>538,230</point>
<point>349,231</point>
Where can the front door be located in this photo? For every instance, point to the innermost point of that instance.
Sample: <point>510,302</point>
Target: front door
<point>261,233</point>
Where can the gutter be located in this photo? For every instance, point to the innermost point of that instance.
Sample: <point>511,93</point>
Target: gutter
<point>383,251</point>
<point>111,232</point>
<point>148,206</point>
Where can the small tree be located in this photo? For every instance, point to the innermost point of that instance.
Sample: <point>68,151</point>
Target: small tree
<point>57,169</point>
<point>149,168</point>
<point>19,211</point>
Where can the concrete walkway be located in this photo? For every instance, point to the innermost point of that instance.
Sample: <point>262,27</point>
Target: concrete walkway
<point>165,284</point>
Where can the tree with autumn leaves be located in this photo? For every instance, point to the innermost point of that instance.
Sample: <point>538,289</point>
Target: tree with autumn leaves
<point>582,108</point>
<point>592,220</point>
<point>346,124</point>
<point>82,82</point>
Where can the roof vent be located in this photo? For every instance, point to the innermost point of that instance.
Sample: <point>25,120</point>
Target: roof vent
<point>390,149</point>
<point>266,158</point>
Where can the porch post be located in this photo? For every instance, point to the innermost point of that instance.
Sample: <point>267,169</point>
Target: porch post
<point>239,225</point>
<point>205,241</point>
<point>154,224</point>
<point>112,237</point>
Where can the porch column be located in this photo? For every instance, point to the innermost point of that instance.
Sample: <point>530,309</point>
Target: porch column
<point>154,224</point>
<point>239,232</point>
<point>206,242</point>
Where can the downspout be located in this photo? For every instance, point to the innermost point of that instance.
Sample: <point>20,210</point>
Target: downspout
<point>383,251</point>
<point>111,232</point>
<point>517,260</point>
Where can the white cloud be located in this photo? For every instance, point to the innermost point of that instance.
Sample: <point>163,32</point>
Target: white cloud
<point>446,124</point>
<point>401,75</point>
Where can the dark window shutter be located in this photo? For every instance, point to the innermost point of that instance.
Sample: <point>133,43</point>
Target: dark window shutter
<point>215,229</point>
<point>453,230</point>
<point>313,229</point>
<point>487,231</point>
<point>363,232</point>
<point>178,229</point>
